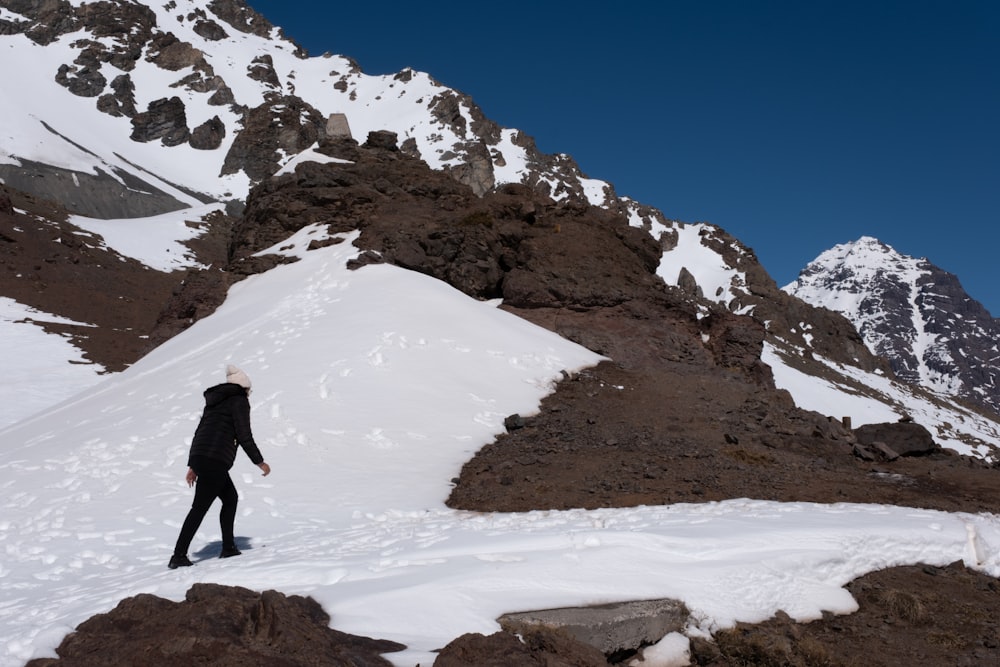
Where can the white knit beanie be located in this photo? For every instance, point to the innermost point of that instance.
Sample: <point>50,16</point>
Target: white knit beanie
<point>236,376</point>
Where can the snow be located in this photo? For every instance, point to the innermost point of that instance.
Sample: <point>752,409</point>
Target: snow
<point>309,155</point>
<point>869,398</point>
<point>160,243</point>
<point>47,368</point>
<point>674,650</point>
<point>710,270</point>
<point>371,389</point>
<point>403,103</point>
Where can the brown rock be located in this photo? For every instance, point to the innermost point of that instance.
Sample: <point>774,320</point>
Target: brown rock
<point>209,135</point>
<point>903,438</point>
<point>164,119</point>
<point>282,123</point>
<point>219,625</point>
<point>532,648</point>
<point>210,30</point>
<point>6,206</point>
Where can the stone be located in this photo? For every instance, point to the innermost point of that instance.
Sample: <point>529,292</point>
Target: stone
<point>170,53</point>
<point>282,124</point>
<point>610,628</point>
<point>513,422</point>
<point>82,81</point>
<point>863,453</point>
<point>687,282</point>
<point>536,647</point>
<point>208,135</point>
<point>164,119</point>
<point>337,125</point>
<point>903,438</point>
<point>228,626</point>
<point>210,30</point>
<point>262,69</point>
<point>383,139</point>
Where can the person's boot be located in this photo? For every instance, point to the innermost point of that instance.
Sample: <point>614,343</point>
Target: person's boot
<point>229,552</point>
<point>179,561</point>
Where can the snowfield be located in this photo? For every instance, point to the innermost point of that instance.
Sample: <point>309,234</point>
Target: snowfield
<point>371,388</point>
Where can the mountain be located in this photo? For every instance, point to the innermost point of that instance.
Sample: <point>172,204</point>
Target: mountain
<point>912,313</point>
<point>140,109</point>
<point>484,380</point>
<point>169,113</point>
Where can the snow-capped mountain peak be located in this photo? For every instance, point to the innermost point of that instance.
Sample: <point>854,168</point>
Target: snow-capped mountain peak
<point>911,312</point>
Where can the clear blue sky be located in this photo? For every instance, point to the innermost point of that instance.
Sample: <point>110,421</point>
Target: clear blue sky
<point>795,125</point>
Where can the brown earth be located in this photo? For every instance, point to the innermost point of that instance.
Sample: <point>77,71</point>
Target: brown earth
<point>682,411</point>
<point>123,308</point>
<point>223,626</point>
<point>654,431</point>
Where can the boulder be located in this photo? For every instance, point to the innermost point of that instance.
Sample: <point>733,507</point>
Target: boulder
<point>209,135</point>
<point>618,628</point>
<point>902,438</point>
<point>225,626</point>
<point>210,30</point>
<point>164,119</point>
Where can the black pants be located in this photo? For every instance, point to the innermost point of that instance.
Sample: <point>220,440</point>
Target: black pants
<point>211,484</point>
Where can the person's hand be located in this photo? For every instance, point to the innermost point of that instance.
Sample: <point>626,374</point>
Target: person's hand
<point>266,468</point>
<point>191,477</point>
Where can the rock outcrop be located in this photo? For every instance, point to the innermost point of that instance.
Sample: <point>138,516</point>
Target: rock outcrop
<point>901,438</point>
<point>219,625</point>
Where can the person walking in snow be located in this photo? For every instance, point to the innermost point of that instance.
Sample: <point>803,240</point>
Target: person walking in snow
<point>225,423</point>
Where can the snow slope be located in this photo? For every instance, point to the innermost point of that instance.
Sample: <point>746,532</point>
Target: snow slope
<point>371,388</point>
<point>56,127</point>
<point>46,370</point>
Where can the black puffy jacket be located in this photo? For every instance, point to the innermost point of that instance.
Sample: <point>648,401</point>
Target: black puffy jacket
<point>224,424</point>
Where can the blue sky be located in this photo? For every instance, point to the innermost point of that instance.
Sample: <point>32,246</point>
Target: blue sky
<point>795,126</point>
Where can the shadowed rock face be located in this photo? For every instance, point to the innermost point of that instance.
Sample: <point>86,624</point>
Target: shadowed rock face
<point>904,439</point>
<point>105,195</point>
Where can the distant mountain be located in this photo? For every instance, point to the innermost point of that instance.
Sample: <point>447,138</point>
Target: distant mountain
<point>911,312</point>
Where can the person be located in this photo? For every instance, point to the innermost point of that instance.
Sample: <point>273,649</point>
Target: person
<point>225,423</point>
